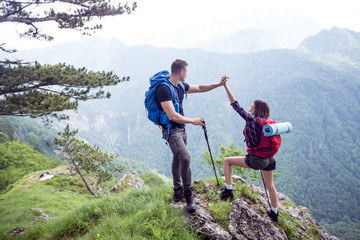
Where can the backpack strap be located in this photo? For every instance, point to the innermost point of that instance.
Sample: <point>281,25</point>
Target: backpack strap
<point>263,121</point>
<point>183,88</point>
<point>175,100</point>
<point>174,94</point>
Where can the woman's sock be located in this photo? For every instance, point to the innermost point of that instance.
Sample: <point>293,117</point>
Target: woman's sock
<point>275,210</point>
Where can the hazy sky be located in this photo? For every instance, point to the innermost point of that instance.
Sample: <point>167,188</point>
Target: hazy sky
<point>178,23</point>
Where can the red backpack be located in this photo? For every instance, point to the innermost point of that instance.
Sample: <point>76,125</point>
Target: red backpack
<point>268,146</point>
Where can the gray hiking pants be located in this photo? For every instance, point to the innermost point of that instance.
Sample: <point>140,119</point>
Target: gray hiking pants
<point>181,157</point>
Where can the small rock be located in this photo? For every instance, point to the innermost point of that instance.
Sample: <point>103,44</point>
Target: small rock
<point>43,217</point>
<point>129,180</point>
<point>237,178</point>
<point>16,231</point>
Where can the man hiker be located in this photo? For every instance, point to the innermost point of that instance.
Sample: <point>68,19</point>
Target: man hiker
<point>176,136</point>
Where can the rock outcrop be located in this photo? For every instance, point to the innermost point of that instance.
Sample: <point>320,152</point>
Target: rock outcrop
<point>248,219</point>
<point>129,180</point>
<point>39,215</point>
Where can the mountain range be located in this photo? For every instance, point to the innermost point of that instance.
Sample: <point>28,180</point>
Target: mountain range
<point>268,30</point>
<point>314,86</point>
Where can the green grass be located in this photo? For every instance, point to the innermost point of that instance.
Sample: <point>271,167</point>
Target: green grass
<point>133,214</point>
<point>245,191</point>
<point>291,226</point>
<point>314,232</point>
<point>288,224</point>
<point>15,204</point>
<point>220,211</point>
<point>207,190</point>
<point>289,204</point>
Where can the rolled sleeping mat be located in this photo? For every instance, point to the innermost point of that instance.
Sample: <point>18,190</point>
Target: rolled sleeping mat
<point>277,128</point>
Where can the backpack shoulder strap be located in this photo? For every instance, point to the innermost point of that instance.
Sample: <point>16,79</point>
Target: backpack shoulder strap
<point>174,96</point>
<point>263,121</point>
<point>183,88</point>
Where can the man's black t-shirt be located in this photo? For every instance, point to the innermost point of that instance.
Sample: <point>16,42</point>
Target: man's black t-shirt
<point>163,93</point>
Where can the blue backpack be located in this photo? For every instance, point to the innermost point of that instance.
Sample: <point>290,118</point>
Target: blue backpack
<point>153,111</point>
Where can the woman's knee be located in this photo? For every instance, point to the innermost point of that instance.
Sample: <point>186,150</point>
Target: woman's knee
<point>227,161</point>
<point>237,161</point>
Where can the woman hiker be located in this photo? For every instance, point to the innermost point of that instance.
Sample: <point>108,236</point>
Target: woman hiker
<point>259,109</point>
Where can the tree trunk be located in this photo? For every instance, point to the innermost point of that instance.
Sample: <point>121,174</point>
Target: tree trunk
<point>84,180</point>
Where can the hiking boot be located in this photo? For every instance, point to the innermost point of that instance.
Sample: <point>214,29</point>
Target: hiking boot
<point>227,193</point>
<point>190,203</point>
<point>178,194</point>
<point>274,216</point>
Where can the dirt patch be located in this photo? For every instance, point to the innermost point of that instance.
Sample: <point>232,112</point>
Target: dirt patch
<point>30,180</point>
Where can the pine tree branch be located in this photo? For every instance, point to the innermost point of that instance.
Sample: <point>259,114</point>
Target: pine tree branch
<point>98,11</point>
<point>6,50</point>
<point>42,91</point>
<point>83,12</point>
<point>16,11</point>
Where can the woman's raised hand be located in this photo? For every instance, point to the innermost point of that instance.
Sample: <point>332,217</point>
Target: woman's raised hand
<point>224,80</point>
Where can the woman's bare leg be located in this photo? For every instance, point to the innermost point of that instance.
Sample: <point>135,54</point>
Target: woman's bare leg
<point>268,178</point>
<point>228,162</point>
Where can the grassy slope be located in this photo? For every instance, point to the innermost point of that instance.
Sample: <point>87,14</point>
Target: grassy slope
<point>133,214</point>
<point>29,192</point>
<point>80,216</point>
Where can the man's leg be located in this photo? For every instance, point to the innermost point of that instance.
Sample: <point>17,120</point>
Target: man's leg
<point>181,159</point>
<point>181,165</point>
<point>185,163</point>
<point>177,186</point>
<point>176,172</point>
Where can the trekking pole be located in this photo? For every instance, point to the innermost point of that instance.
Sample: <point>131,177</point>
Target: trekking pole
<point>206,137</point>
<point>265,189</point>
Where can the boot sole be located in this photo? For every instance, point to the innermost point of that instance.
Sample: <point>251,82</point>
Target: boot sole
<point>191,209</point>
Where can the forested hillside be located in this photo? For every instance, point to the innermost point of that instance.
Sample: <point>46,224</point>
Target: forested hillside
<point>315,87</point>
<point>26,146</point>
<point>23,150</point>
<point>28,131</point>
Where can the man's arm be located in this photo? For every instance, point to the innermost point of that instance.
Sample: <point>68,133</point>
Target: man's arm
<point>205,87</point>
<point>169,109</point>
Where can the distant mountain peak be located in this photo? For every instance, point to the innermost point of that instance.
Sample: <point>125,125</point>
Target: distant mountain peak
<point>335,40</point>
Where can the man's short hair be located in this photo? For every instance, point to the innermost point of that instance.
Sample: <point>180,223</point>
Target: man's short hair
<point>178,65</point>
